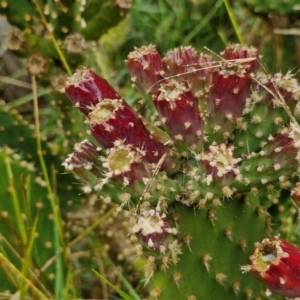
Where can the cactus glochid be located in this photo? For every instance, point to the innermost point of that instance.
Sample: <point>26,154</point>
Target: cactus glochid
<point>206,177</point>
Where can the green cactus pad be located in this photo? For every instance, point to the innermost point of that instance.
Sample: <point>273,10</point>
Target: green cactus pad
<point>210,264</point>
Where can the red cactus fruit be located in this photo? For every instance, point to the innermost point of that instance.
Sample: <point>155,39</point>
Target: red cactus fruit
<point>277,264</point>
<point>248,56</point>
<point>194,68</point>
<point>113,119</point>
<point>86,89</point>
<point>229,90</point>
<point>179,111</point>
<point>146,68</point>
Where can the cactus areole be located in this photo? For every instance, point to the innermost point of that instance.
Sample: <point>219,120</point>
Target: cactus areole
<point>206,177</point>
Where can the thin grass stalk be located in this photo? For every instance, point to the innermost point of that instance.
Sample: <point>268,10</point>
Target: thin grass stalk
<point>16,254</point>
<point>70,286</point>
<point>25,99</point>
<point>91,228</point>
<point>9,275</point>
<point>14,270</point>
<point>27,257</point>
<point>104,287</point>
<point>234,22</point>
<point>53,39</point>
<point>15,200</point>
<point>202,23</point>
<point>58,231</point>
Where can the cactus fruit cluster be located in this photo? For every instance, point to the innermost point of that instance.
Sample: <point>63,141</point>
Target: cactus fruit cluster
<point>206,177</point>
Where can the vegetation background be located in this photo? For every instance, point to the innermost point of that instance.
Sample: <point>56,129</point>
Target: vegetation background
<point>53,231</point>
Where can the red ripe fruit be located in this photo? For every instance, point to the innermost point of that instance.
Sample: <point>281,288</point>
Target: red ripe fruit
<point>285,88</point>
<point>277,264</point>
<point>179,112</point>
<point>229,90</point>
<point>247,56</point>
<point>86,89</point>
<point>193,68</point>
<point>113,119</point>
<point>84,161</point>
<point>146,68</point>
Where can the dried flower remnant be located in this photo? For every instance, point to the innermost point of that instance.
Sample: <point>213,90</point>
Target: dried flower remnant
<point>124,4</point>
<point>36,64</point>
<point>75,43</point>
<point>16,41</point>
<point>58,83</point>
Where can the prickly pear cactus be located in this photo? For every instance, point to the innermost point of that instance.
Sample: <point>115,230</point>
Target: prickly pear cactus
<point>206,177</point>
